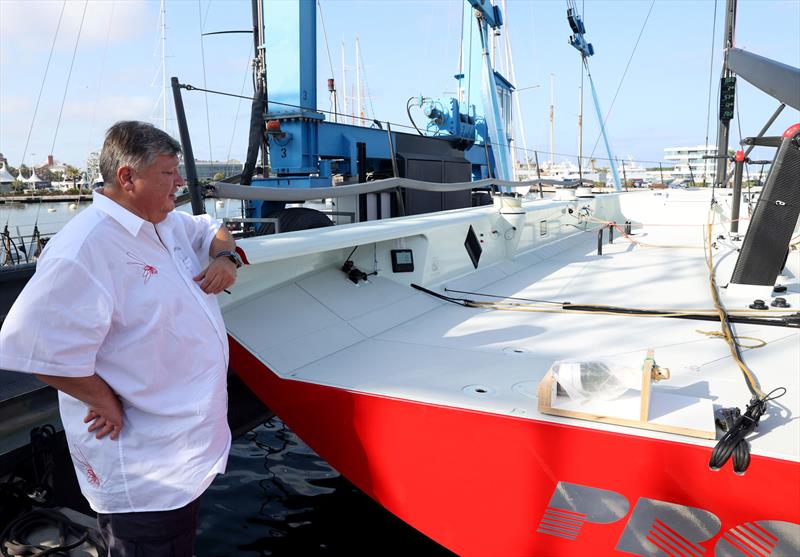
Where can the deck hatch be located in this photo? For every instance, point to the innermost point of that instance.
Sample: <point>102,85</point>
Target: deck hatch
<point>473,247</point>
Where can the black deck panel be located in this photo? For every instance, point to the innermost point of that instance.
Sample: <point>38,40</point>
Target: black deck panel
<point>13,384</point>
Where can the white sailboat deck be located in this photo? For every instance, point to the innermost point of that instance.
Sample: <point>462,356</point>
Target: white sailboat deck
<point>386,338</point>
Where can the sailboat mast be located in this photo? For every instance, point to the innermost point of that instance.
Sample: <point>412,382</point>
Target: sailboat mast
<point>344,86</point>
<point>552,118</point>
<point>358,83</point>
<point>580,129</point>
<point>513,76</point>
<point>724,123</point>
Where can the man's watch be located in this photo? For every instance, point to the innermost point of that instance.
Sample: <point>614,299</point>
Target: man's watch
<point>232,255</point>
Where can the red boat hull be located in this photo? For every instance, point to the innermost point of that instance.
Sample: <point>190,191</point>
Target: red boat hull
<point>485,484</point>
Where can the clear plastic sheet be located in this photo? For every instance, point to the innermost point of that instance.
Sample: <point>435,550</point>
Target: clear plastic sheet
<point>596,379</point>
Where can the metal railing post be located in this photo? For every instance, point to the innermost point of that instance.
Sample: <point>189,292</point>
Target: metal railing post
<point>198,208</point>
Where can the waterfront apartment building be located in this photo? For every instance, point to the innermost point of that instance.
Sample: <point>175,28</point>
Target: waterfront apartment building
<point>206,170</point>
<point>689,164</point>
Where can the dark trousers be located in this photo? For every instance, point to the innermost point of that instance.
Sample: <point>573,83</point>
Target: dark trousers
<point>151,534</point>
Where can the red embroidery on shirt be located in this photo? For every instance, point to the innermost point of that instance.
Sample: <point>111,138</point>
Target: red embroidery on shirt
<point>147,270</point>
<point>90,474</point>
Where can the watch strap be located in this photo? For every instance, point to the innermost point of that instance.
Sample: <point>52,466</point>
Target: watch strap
<point>232,255</point>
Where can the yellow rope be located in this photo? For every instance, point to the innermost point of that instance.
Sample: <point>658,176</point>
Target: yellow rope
<point>718,334</point>
<point>726,332</point>
<point>719,309</point>
<point>633,240</point>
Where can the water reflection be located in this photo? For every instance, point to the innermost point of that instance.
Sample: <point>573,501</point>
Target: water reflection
<point>279,498</point>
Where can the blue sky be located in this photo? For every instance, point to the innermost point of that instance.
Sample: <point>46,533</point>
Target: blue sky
<point>408,48</point>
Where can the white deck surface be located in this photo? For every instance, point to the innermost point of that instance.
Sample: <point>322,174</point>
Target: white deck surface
<point>389,339</point>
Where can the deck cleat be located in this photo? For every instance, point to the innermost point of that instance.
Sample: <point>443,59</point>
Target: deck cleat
<point>780,303</point>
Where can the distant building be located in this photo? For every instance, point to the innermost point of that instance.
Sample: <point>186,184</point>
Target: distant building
<point>93,168</point>
<point>33,182</point>
<point>6,178</point>
<point>54,166</point>
<point>689,163</point>
<point>206,170</point>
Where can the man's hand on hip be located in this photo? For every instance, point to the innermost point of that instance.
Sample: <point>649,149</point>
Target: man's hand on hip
<point>106,417</point>
<point>105,409</point>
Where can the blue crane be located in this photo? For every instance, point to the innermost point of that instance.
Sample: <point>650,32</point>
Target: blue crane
<point>306,149</point>
<point>586,49</point>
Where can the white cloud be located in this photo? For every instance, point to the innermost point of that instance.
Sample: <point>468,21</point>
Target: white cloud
<point>12,105</point>
<point>32,24</point>
<point>110,108</point>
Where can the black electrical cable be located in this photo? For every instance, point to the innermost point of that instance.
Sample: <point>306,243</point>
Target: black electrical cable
<point>792,321</point>
<point>459,301</point>
<point>733,443</point>
<point>13,540</point>
<point>408,111</point>
<point>506,297</point>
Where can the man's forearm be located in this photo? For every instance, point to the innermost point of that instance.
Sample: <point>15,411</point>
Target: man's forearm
<point>91,390</point>
<point>105,414</point>
<point>223,241</point>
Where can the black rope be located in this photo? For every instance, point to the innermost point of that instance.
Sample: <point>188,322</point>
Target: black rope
<point>506,297</point>
<point>15,539</point>
<point>733,443</point>
<point>792,320</point>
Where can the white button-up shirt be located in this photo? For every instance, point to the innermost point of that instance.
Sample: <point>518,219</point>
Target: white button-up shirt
<point>113,295</point>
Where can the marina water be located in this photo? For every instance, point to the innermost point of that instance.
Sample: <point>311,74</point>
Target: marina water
<point>277,498</point>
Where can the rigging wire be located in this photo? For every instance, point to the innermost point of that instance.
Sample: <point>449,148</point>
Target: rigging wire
<point>328,50</point>
<point>41,87</point>
<point>205,17</point>
<point>100,81</point>
<point>366,88</point>
<point>69,77</point>
<point>247,72</point>
<point>189,87</point>
<point>203,62</point>
<point>624,73</point>
<point>739,124</point>
<point>710,78</point>
<point>472,22</point>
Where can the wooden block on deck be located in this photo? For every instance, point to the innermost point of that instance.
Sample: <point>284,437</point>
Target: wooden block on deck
<point>657,410</point>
